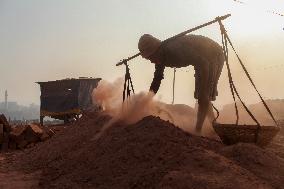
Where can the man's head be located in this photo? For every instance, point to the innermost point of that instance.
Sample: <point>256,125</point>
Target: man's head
<point>148,46</point>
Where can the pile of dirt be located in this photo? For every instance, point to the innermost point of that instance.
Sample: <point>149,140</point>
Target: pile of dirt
<point>277,145</point>
<point>261,162</point>
<point>151,153</point>
<point>21,136</point>
<point>5,128</point>
<point>25,136</point>
<point>12,177</point>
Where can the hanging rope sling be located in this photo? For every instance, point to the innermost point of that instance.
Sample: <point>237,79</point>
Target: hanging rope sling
<point>231,134</point>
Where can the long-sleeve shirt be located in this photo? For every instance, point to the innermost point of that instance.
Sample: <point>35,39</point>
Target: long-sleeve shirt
<point>184,51</point>
<point>158,77</point>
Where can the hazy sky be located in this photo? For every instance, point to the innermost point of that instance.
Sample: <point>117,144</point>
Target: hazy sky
<point>55,39</point>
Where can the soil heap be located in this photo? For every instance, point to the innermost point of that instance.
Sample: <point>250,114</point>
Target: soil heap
<point>151,153</point>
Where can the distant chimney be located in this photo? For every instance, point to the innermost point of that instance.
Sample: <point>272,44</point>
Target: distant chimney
<point>6,100</point>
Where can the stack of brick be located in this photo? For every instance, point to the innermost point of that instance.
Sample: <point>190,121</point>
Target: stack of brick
<point>21,136</point>
<point>5,129</point>
<point>25,136</point>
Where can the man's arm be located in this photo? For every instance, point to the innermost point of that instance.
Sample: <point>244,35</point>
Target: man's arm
<point>158,76</point>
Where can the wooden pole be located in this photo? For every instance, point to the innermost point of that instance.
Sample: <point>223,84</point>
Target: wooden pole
<point>124,61</point>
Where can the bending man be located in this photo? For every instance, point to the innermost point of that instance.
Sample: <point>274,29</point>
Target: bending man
<point>201,52</point>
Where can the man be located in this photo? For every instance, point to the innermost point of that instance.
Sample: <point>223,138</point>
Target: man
<point>201,52</point>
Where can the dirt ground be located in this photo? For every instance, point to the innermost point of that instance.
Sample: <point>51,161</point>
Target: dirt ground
<point>151,153</point>
<point>12,176</point>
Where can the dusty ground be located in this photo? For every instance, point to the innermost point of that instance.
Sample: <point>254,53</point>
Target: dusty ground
<point>12,176</point>
<point>149,154</point>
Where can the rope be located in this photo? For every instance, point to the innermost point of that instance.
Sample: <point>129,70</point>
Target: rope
<point>251,81</point>
<point>174,81</point>
<point>226,37</point>
<point>245,70</point>
<point>233,88</point>
<point>218,113</point>
<point>231,83</point>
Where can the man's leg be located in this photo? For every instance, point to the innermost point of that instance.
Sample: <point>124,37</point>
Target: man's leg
<point>206,74</point>
<point>203,72</point>
<point>203,105</point>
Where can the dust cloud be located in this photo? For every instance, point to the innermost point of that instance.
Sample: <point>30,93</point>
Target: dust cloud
<point>109,96</point>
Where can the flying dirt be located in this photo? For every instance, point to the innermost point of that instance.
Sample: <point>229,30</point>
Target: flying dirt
<point>108,95</point>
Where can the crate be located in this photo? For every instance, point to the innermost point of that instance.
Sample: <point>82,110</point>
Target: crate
<point>232,133</point>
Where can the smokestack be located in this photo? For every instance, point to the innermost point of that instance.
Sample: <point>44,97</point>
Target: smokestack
<point>6,100</point>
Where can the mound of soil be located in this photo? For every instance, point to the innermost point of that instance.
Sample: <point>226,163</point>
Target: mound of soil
<point>151,153</point>
<point>262,163</point>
